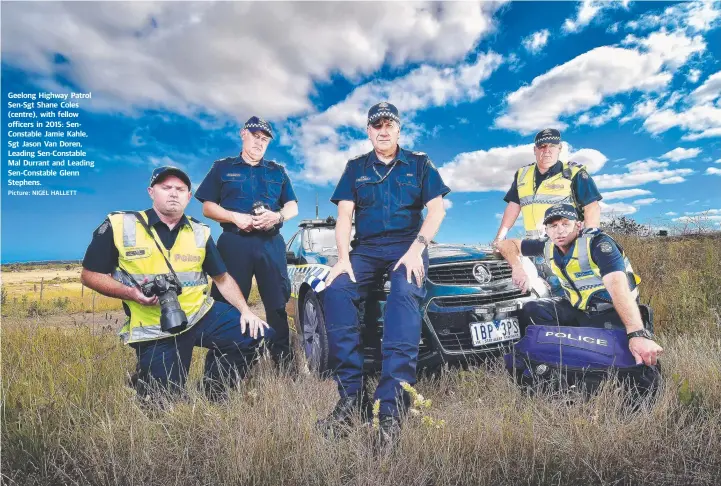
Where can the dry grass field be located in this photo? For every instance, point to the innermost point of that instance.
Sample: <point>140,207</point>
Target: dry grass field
<point>69,418</point>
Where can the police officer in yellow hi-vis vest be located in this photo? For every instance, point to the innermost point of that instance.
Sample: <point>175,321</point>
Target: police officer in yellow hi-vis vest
<point>597,278</point>
<point>549,181</point>
<point>158,261</point>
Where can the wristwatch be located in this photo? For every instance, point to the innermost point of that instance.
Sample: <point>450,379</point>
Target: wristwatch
<point>644,333</point>
<point>422,239</point>
<point>281,218</point>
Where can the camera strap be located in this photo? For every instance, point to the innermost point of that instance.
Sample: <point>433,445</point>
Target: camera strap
<point>142,222</point>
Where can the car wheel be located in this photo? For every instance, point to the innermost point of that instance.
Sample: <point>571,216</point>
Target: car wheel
<point>315,339</point>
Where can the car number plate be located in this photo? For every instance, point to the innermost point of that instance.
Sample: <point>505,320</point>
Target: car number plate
<point>491,332</point>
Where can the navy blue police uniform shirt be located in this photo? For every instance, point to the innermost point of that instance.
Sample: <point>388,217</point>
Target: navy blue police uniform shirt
<point>605,252</point>
<point>235,185</point>
<point>102,255</point>
<point>584,189</point>
<point>389,199</point>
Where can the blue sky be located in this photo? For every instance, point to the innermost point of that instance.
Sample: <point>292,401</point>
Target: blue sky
<point>635,88</point>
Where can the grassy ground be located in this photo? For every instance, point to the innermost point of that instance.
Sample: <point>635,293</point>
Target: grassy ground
<point>68,417</point>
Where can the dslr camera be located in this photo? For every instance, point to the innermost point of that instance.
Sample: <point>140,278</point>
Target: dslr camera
<point>167,288</point>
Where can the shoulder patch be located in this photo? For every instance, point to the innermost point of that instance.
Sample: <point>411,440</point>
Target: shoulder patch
<point>103,227</point>
<point>605,247</point>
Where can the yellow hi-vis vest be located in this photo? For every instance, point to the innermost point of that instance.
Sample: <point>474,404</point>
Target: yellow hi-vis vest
<point>140,257</point>
<point>553,190</point>
<point>582,278</point>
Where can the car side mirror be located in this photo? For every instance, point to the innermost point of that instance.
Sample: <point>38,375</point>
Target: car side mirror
<point>290,258</point>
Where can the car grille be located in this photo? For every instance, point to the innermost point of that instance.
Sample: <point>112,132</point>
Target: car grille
<point>476,300</point>
<point>462,273</point>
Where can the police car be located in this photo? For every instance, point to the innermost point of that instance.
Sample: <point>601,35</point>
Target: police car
<point>470,308</point>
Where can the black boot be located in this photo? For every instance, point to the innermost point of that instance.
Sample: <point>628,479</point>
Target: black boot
<point>389,433</point>
<point>338,423</point>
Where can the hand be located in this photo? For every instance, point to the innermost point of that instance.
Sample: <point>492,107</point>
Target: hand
<point>343,266</point>
<point>520,278</point>
<point>414,266</point>
<point>589,231</point>
<point>494,245</point>
<point>243,221</point>
<point>254,323</point>
<point>140,298</point>
<point>266,220</point>
<point>644,350</point>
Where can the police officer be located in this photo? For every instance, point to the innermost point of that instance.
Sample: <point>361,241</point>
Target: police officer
<point>134,251</point>
<point>536,187</point>
<point>387,188</point>
<point>596,276</point>
<point>251,197</point>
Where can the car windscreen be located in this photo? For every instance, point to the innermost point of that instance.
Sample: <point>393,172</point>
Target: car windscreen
<point>321,239</point>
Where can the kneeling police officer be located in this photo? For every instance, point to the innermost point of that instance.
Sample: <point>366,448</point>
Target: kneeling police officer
<point>159,260</point>
<point>596,277</point>
<point>387,189</point>
<point>251,197</point>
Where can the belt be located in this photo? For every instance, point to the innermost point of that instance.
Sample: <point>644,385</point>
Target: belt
<point>237,231</point>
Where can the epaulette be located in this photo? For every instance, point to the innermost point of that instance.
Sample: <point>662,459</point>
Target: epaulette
<point>358,157</point>
<point>223,159</point>
<point>419,153</point>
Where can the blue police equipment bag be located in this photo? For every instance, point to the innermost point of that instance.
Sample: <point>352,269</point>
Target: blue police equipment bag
<point>560,358</point>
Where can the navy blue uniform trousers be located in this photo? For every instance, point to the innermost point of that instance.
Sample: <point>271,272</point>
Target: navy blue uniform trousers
<point>401,324</point>
<point>262,255</point>
<point>165,361</point>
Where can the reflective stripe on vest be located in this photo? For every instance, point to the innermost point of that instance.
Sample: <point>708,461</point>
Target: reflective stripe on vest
<point>554,190</point>
<point>145,333</point>
<point>141,259</point>
<point>581,277</point>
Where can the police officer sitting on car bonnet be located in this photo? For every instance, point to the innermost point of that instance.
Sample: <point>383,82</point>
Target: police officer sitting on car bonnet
<point>596,276</point>
<point>135,247</point>
<point>387,189</point>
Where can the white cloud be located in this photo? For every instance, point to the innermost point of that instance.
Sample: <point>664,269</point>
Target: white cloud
<point>583,82</point>
<point>672,180</point>
<point>646,165</point>
<point>709,91</point>
<point>651,172</point>
<point>624,193</point>
<point>693,75</point>
<point>671,213</point>
<point>257,57</point>
<point>447,203</point>
<point>713,171</point>
<point>698,16</point>
<point>602,118</point>
<point>644,202</point>
<point>617,208</point>
<point>535,42</point>
<point>718,161</point>
<point>589,10</point>
<point>701,121</point>
<point>488,170</point>
<point>325,141</point>
<point>679,153</point>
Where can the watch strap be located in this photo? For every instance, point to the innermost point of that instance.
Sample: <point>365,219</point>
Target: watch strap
<point>644,333</point>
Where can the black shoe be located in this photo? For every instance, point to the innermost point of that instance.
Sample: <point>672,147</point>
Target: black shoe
<point>389,433</point>
<point>338,423</point>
